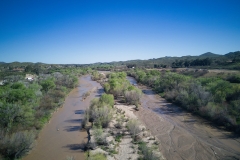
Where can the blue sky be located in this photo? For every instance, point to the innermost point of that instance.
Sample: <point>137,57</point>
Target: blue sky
<point>88,31</point>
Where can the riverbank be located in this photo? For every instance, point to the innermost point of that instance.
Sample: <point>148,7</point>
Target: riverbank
<point>63,136</point>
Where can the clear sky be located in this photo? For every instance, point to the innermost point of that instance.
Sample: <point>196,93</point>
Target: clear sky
<point>88,31</point>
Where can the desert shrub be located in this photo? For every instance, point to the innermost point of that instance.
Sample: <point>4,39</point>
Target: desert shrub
<point>47,84</point>
<point>57,93</point>
<point>97,76</point>
<point>117,84</point>
<point>98,135</point>
<point>9,114</point>
<point>107,87</point>
<point>47,102</point>
<point>85,118</point>
<point>133,96</point>
<point>100,110</point>
<point>15,116</point>
<point>171,95</point>
<point>101,116</point>
<point>17,144</point>
<point>96,156</point>
<point>147,152</point>
<point>107,99</point>
<point>133,127</point>
<point>192,97</point>
<point>120,121</point>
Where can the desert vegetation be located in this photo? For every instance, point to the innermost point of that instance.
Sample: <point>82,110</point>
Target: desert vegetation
<point>100,111</point>
<point>120,87</point>
<point>25,106</point>
<point>111,127</point>
<point>213,97</point>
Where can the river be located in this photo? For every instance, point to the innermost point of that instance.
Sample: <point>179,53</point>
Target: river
<point>183,135</point>
<point>63,136</point>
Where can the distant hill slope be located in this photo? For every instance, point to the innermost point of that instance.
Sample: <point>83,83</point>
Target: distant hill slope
<point>233,55</point>
<point>230,60</point>
<point>207,60</point>
<point>209,54</point>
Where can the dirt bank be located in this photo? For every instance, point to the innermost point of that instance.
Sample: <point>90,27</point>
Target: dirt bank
<point>63,136</point>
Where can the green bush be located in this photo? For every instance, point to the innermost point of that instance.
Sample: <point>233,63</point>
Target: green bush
<point>98,135</point>
<point>133,127</point>
<point>133,96</point>
<point>96,156</point>
<point>17,144</point>
<point>100,110</point>
<point>147,152</point>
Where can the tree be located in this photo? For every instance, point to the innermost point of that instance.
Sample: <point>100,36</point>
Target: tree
<point>17,144</point>
<point>8,114</point>
<point>47,85</point>
<point>107,99</point>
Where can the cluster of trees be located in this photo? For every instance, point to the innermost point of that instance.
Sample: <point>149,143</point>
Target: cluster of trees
<point>195,62</point>
<point>26,106</point>
<point>17,68</point>
<point>119,86</point>
<point>102,67</point>
<point>212,97</point>
<point>99,113</point>
<point>97,76</point>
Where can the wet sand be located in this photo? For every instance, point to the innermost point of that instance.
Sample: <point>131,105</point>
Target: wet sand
<point>183,135</point>
<point>63,136</point>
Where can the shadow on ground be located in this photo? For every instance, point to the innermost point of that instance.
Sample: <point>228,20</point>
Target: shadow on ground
<point>72,128</point>
<point>79,111</point>
<point>74,121</point>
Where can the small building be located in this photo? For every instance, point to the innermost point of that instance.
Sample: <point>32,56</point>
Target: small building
<point>30,77</point>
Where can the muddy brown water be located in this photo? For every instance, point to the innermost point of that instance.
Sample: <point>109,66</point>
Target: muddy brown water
<point>183,135</point>
<point>63,136</point>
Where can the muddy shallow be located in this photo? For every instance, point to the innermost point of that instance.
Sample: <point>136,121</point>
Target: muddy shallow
<point>63,136</point>
<point>183,135</point>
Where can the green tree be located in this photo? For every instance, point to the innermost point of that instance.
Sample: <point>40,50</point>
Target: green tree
<point>48,84</point>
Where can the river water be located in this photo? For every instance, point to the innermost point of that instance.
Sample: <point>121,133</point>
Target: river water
<point>63,136</point>
<point>183,135</point>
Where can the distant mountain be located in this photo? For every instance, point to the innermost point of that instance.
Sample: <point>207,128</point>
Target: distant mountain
<point>210,55</point>
<point>2,62</point>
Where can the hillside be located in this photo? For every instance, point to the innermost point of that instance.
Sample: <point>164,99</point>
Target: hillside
<point>207,60</point>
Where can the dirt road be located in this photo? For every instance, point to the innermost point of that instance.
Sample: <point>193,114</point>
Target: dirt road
<point>63,136</point>
<point>183,135</point>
